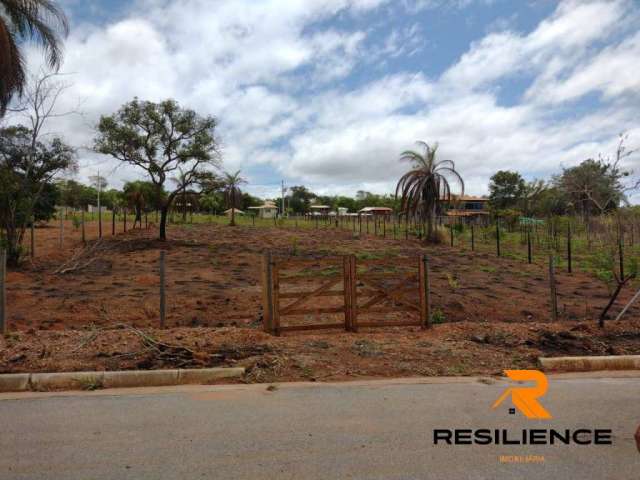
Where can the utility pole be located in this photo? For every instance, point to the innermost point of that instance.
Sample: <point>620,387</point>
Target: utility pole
<point>283,210</point>
<point>99,210</point>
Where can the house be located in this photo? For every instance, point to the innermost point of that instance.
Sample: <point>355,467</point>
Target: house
<point>376,211</point>
<point>267,210</point>
<point>320,210</point>
<point>467,206</point>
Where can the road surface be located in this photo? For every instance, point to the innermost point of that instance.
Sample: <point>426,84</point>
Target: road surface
<point>365,430</point>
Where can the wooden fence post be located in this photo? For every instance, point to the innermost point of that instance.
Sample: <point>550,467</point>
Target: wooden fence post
<point>346,281</point>
<point>275,297</point>
<point>113,221</point>
<point>425,295</point>
<point>451,234</point>
<point>61,229</point>
<point>473,238</point>
<point>125,219</point>
<point>529,252</point>
<point>146,221</point>
<point>498,237</point>
<point>552,290</point>
<point>84,235</point>
<point>163,303</point>
<point>267,288</point>
<point>33,237</point>
<point>569,259</point>
<point>100,222</point>
<point>4,328</point>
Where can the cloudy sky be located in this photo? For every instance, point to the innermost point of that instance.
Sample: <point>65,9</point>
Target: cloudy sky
<point>327,93</point>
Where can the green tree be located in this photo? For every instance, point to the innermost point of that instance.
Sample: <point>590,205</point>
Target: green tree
<point>140,196</point>
<point>20,20</point>
<point>424,188</point>
<point>27,169</point>
<point>161,138</point>
<point>506,189</point>
<point>300,199</point>
<point>232,193</point>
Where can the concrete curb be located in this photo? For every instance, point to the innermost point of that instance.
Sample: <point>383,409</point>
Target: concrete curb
<point>23,382</point>
<point>590,364</point>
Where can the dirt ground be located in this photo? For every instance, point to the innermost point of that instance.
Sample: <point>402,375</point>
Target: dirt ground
<point>97,308</point>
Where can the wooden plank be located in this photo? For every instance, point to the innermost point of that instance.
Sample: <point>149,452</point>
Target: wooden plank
<point>300,301</point>
<point>403,308</point>
<point>312,311</point>
<point>4,327</point>
<point>388,275</point>
<point>321,262</point>
<point>288,279</point>
<point>163,301</point>
<point>413,323</point>
<point>326,326</point>
<point>306,293</point>
<point>393,261</point>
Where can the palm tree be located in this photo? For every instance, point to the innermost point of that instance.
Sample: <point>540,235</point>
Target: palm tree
<point>40,20</point>
<point>232,193</point>
<point>426,186</point>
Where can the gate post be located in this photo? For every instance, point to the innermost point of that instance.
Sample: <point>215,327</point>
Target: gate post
<point>350,298</point>
<point>425,307</point>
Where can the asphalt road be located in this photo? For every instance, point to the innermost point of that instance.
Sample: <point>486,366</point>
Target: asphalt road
<point>375,430</point>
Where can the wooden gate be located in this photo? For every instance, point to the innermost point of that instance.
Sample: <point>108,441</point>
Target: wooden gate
<point>344,292</point>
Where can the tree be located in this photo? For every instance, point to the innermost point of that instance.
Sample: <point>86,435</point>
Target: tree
<point>26,170</point>
<point>423,189</point>
<point>161,138</point>
<point>300,199</point>
<point>531,193</point>
<point>506,189</point>
<point>39,20</point>
<point>139,195</point>
<point>232,193</point>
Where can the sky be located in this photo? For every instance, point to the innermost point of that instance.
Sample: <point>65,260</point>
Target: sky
<point>328,93</point>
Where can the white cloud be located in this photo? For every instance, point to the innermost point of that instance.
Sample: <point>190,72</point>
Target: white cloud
<point>280,77</point>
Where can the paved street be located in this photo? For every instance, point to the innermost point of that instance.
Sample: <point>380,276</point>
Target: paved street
<point>365,430</point>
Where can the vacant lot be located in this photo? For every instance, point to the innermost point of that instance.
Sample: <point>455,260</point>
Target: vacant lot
<point>494,312</point>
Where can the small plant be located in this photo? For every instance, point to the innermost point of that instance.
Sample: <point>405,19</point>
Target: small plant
<point>90,383</point>
<point>453,282</point>
<point>294,246</point>
<point>76,222</point>
<point>438,316</point>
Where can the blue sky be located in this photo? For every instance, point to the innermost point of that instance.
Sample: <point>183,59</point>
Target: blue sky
<point>328,93</point>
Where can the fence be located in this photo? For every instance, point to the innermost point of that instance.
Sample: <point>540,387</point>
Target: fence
<point>346,291</point>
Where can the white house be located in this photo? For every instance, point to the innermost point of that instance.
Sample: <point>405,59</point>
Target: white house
<point>268,210</point>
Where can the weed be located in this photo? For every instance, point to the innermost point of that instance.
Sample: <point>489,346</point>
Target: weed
<point>453,282</point>
<point>438,316</point>
<point>90,383</point>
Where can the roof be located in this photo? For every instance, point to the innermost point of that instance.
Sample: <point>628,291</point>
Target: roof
<point>235,211</point>
<point>465,213</point>
<point>376,209</point>
<point>320,206</point>
<point>266,205</point>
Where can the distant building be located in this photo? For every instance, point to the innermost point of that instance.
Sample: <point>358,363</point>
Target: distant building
<point>267,210</point>
<point>376,211</point>
<point>467,206</point>
<point>320,209</point>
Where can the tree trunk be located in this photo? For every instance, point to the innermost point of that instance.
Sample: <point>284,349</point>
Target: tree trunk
<point>138,216</point>
<point>164,211</point>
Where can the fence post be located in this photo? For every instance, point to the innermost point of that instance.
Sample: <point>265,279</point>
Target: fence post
<point>569,266</point>
<point>33,237</point>
<point>125,219</point>
<point>473,238</point>
<point>275,297</point>
<point>113,221</point>
<point>552,290</point>
<point>100,222</point>
<point>346,280</point>
<point>529,246</point>
<point>267,288</point>
<point>451,233</point>
<point>163,303</point>
<point>61,229</point>
<point>3,292</point>
<point>425,307</point>
<point>146,221</point>
<point>84,235</point>
<point>498,237</point>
